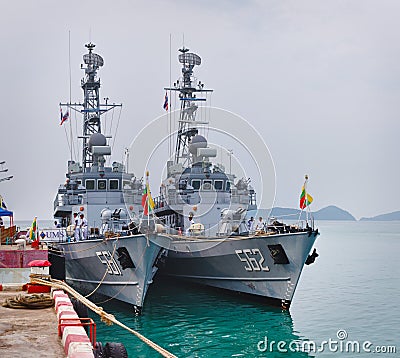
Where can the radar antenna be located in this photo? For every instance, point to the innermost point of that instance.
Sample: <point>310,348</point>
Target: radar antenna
<point>92,108</point>
<point>91,103</point>
<point>188,87</point>
<point>3,169</point>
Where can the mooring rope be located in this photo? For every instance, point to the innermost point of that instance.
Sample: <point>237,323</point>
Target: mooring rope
<point>34,301</point>
<point>105,317</point>
<point>124,286</point>
<point>108,266</point>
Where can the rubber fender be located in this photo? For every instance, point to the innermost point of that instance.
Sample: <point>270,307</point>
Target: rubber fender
<point>115,350</point>
<point>99,351</point>
<point>80,309</point>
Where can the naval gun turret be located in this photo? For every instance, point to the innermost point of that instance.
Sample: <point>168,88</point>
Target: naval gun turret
<point>233,222</point>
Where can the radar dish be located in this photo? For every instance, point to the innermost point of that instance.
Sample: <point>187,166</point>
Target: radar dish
<point>189,58</point>
<point>93,59</point>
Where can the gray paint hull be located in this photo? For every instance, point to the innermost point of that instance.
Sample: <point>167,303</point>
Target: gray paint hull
<point>242,264</point>
<point>93,265</point>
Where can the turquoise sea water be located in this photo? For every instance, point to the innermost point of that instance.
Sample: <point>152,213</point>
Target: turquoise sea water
<point>352,288</point>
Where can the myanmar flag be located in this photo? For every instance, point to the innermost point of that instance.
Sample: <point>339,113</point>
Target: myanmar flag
<point>32,230</point>
<point>147,200</point>
<point>305,199</point>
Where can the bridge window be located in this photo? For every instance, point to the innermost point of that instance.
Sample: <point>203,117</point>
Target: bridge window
<point>89,184</point>
<point>101,184</point>
<point>127,185</point>
<point>207,185</point>
<point>114,184</point>
<point>218,184</point>
<point>196,184</point>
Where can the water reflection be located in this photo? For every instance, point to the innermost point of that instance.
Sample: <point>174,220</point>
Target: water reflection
<point>192,321</point>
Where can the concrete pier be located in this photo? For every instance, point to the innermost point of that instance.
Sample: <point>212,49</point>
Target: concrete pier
<point>27,333</point>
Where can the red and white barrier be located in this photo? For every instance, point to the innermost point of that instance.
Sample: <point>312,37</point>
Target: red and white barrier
<point>12,287</point>
<point>74,338</point>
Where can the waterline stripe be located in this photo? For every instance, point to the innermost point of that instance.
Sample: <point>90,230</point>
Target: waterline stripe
<point>104,282</point>
<point>234,278</point>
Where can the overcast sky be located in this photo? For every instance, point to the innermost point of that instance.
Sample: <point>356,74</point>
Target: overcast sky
<point>320,80</point>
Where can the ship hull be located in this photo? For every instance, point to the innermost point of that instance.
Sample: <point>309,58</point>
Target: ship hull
<point>95,266</point>
<point>243,264</point>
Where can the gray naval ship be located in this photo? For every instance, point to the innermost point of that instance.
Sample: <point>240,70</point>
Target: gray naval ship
<point>204,209</point>
<point>109,256</point>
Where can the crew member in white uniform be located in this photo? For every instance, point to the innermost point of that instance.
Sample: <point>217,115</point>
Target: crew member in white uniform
<point>77,229</point>
<point>191,222</point>
<point>260,224</point>
<point>83,227</point>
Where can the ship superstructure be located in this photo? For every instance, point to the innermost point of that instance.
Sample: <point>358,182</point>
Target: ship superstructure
<point>91,185</point>
<point>195,186</point>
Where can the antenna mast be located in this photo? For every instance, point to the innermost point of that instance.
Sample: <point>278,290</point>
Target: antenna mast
<point>188,86</point>
<point>91,105</point>
<point>92,108</point>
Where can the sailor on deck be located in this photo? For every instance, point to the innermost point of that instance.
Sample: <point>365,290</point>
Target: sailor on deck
<point>76,223</point>
<point>191,222</point>
<point>250,224</point>
<point>260,224</point>
<point>83,227</point>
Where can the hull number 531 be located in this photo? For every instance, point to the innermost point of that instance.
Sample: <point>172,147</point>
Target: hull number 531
<point>253,259</point>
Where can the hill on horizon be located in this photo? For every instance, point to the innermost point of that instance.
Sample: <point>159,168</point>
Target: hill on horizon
<point>330,212</point>
<point>395,215</point>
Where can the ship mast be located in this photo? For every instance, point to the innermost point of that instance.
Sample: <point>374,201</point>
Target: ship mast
<point>188,88</point>
<point>91,103</point>
<point>92,108</point>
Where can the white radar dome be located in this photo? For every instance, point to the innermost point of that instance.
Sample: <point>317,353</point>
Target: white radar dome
<point>198,141</point>
<point>97,140</point>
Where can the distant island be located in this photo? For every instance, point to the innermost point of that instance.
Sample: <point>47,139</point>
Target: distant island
<point>384,217</point>
<point>329,213</point>
<point>333,213</point>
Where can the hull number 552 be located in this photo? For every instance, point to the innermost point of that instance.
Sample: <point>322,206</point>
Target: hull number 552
<point>253,259</point>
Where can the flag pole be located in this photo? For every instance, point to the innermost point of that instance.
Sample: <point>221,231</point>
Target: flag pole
<point>70,88</point>
<point>306,198</point>
<point>147,198</point>
<point>148,207</point>
<point>169,111</point>
<point>305,193</point>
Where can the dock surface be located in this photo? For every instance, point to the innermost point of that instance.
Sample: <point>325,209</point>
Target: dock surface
<point>27,333</point>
